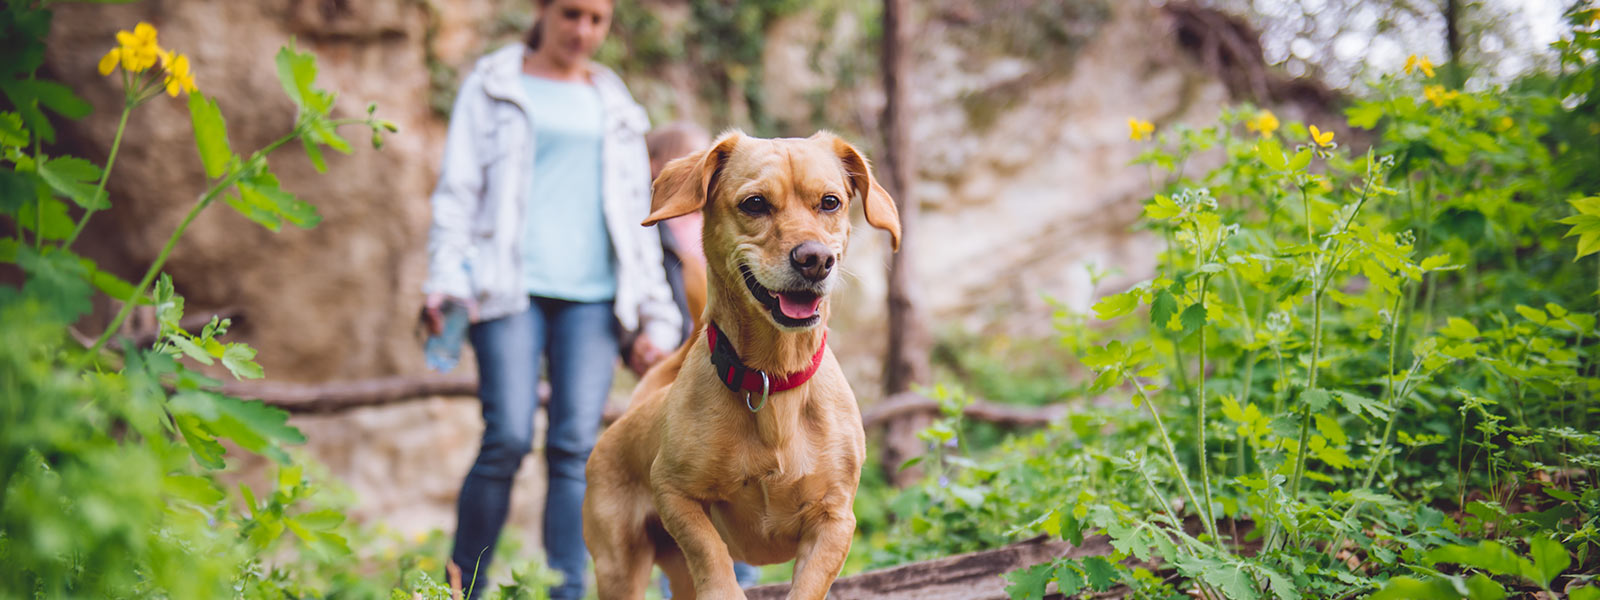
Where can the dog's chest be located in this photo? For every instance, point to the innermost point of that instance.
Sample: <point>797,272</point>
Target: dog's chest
<point>763,520</point>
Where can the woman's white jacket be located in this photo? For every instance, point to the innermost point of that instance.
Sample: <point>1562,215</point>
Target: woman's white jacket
<point>474,247</point>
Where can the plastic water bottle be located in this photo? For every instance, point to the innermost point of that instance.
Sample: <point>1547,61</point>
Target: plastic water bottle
<point>443,351</point>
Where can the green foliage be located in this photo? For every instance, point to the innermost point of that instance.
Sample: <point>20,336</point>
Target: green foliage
<point>109,458</point>
<point>1354,374</point>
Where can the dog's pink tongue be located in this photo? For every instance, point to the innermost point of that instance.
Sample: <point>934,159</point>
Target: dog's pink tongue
<point>799,306</point>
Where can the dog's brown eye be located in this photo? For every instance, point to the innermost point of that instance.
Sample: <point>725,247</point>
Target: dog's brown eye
<point>830,203</point>
<point>755,205</point>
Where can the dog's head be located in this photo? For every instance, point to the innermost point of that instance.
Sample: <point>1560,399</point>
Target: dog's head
<point>777,216</point>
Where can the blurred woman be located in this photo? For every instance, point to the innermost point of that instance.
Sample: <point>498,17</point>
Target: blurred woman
<point>536,231</point>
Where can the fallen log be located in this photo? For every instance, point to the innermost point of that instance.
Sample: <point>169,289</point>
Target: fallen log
<point>972,576</point>
<point>979,410</point>
<point>340,396</point>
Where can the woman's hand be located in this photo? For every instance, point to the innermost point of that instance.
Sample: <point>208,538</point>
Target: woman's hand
<point>433,311</point>
<point>643,355</point>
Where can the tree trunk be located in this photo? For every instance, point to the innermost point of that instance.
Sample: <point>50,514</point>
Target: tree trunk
<point>1452,40</point>
<point>907,360</point>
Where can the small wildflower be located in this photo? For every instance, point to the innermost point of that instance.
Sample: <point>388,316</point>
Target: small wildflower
<point>1504,124</point>
<point>108,63</point>
<point>1438,95</point>
<point>1140,130</point>
<point>1265,123</point>
<point>1323,139</point>
<point>179,77</point>
<point>139,49</point>
<point>1415,63</point>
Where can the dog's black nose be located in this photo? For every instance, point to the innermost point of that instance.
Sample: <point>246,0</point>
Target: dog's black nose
<point>812,260</point>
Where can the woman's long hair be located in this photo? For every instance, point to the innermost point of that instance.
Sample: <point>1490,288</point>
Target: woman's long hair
<point>535,32</point>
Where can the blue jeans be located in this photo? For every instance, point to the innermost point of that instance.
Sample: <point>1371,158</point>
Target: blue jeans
<point>579,340</point>
<point>747,575</point>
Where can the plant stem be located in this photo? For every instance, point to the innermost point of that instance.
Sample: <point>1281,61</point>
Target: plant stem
<point>1316,356</point>
<point>1389,397</point>
<point>161,259</point>
<point>1166,444</point>
<point>116,144</point>
<point>1200,421</point>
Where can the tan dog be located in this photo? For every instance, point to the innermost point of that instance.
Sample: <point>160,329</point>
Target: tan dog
<point>696,474</point>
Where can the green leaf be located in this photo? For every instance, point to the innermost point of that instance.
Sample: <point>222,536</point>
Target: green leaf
<point>1487,555</point>
<point>1549,558</point>
<point>321,520</point>
<point>1410,588</point>
<point>57,97</point>
<point>210,134</point>
<point>1532,314</point>
<point>1459,328</point>
<point>1029,583</point>
<point>1316,399</point>
<point>263,191</point>
<point>1588,592</point>
<point>189,348</point>
<point>1435,262</point>
<point>1162,308</point>
<point>57,221</point>
<point>1271,154</point>
<point>1481,587</point>
<point>1234,582</point>
<point>196,490</point>
<point>113,286</point>
<point>76,179</point>
<point>1116,305</point>
<point>1069,580</point>
<point>240,360</point>
<point>1301,160</point>
<point>1100,572</point>
<point>56,280</point>
<point>1193,318</point>
<point>12,134</point>
<point>262,215</point>
<point>297,72</point>
<point>1357,404</point>
<point>315,154</point>
<point>1364,115</point>
<point>202,444</point>
<point>253,424</point>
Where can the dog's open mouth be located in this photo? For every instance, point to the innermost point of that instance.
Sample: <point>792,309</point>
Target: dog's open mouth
<point>790,308</point>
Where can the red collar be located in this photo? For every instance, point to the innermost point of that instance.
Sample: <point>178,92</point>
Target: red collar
<point>736,376</point>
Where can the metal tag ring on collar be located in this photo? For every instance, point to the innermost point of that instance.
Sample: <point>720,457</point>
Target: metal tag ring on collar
<point>766,386</point>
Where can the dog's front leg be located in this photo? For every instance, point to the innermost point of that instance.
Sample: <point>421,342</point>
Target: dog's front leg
<point>821,555</point>
<point>709,564</point>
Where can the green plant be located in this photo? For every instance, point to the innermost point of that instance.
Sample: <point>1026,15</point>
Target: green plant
<point>109,453</point>
<point>1350,374</point>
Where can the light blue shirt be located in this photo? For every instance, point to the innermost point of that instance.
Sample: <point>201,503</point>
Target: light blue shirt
<point>566,249</point>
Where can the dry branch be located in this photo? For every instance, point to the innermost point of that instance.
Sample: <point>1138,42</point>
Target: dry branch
<point>974,576</point>
<point>909,403</point>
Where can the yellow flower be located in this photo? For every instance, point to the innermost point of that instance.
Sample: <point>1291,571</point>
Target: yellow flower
<point>1140,130</point>
<point>139,48</point>
<point>1504,124</point>
<point>179,77</point>
<point>108,63</point>
<point>1414,62</point>
<point>1265,123</point>
<point>1438,95</point>
<point>1322,138</point>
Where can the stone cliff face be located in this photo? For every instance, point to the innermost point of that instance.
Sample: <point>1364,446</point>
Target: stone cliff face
<point>1019,128</point>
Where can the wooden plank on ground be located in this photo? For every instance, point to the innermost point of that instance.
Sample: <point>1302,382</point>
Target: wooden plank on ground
<point>973,576</point>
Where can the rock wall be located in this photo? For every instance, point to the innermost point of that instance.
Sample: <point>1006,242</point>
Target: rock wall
<point>1019,131</point>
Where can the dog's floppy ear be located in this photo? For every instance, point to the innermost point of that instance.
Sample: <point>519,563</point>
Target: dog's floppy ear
<point>684,185</point>
<point>876,203</point>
